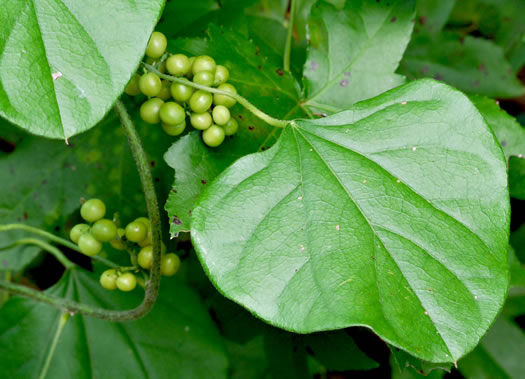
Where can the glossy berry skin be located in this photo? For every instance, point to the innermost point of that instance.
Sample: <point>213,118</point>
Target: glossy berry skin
<point>221,75</point>
<point>204,78</point>
<point>169,264</point>
<point>126,282</point>
<point>201,121</point>
<point>104,230</point>
<point>231,127</point>
<point>213,136</point>
<point>221,115</point>
<point>189,75</point>
<point>132,89</point>
<point>77,231</point>
<point>108,279</point>
<point>93,210</point>
<point>145,257</point>
<point>144,220</point>
<point>174,130</point>
<point>203,63</point>
<point>157,45</point>
<point>200,101</point>
<point>150,84</point>
<point>89,245</point>
<point>165,90</point>
<point>136,231</point>
<point>117,243</point>
<point>178,65</point>
<point>181,92</point>
<point>172,113</point>
<point>150,110</point>
<point>148,240</point>
<point>225,100</point>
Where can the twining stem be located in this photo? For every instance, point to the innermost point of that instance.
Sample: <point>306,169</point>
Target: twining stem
<point>288,45</point>
<point>53,238</point>
<point>46,247</point>
<point>153,285</point>
<point>61,323</point>
<point>241,100</point>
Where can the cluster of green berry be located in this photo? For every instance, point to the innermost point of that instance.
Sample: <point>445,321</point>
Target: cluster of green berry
<point>208,113</point>
<point>90,237</point>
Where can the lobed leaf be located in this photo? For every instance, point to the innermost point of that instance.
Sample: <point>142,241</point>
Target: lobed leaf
<point>357,219</point>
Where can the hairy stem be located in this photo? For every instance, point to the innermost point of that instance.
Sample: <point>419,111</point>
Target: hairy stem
<point>241,100</point>
<point>288,45</point>
<point>61,323</point>
<point>153,285</point>
<point>46,247</point>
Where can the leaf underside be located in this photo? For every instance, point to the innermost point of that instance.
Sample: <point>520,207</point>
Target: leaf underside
<point>392,215</point>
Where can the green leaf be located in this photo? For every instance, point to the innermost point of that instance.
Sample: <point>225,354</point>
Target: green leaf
<point>171,341</point>
<point>473,65</point>
<point>353,53</point>
<point>45,180</point>
<point>517,242</point>
<point>517,177</point>
<point>499,355</point>
<point>60,70</point>
<point>357,219</point>
<point>509,132</point>
<point>405,365</point>
<point>432,15</point>
<point>255,72</point>
<point>517,270</point>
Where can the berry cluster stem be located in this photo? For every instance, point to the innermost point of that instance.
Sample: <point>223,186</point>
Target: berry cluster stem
<point>241,100</point>
<point>153,285</point>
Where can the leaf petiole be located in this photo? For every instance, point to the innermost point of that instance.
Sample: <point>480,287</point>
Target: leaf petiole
<point>288,46</point>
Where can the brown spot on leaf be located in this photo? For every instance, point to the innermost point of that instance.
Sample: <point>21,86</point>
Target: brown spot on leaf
<point>203,181</point>
<point>344,82</point>
<point>393,19</point>
<point>251,127</point>
<point>176,220</point>
<point>279,72</point>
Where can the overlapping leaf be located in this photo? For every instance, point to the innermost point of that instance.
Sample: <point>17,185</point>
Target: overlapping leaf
<point>356,219</point>
<point>354,52</point>
<point>60,71</point>
<point>173,340</point>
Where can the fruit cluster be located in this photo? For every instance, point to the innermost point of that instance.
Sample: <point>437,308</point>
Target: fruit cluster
<point>90,237</point>
<point>208,113</point>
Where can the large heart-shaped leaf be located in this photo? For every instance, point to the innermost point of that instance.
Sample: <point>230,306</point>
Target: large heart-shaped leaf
<point>393,215</point>
<point>171,341</point>
<point>60,71</point>
<point>354,52</point>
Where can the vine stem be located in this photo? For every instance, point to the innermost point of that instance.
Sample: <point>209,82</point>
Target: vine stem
<point>153,284</point>
<point>241,100</point>
<point>288,45</point>
<point>44,246</point>
<point>64,316</point>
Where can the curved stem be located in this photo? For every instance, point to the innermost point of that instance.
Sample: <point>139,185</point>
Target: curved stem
<point>241,100</point>
<point>44,246</point>
<point>153,285</point>
<point>61,323</point>
<point>288,46</point>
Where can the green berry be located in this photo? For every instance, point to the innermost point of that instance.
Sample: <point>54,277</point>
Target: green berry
<point>225,100</point>
<point>108,279</point>
<point>200,101</point>
<point>126,282</point>
<point>77,231</point>
<point>150,84</point>
<point>136,231</point>
<point>172,113</point>
<point>231,127</point>
<point>204,78</point>
<point>189,75</point>
<point>221,115</point>
<point>117,243</point>
<point>213,136</point>
<point>174,130</point>
<point>89,245</point>
<point>145,257</point>
<point>201,121</point>
<point>132,89</point>
<point>178,65</point>
<point>150,110</point>
<point>144,220</point>
<point>221,75</point>
<point>148,240</point>
<point>157,45</point>
<point>203,63</point>
<point>169,264</point>
<point>181,92</point>
<point>165,92</point>
<point>93,210</point>
<point>104,230</point>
